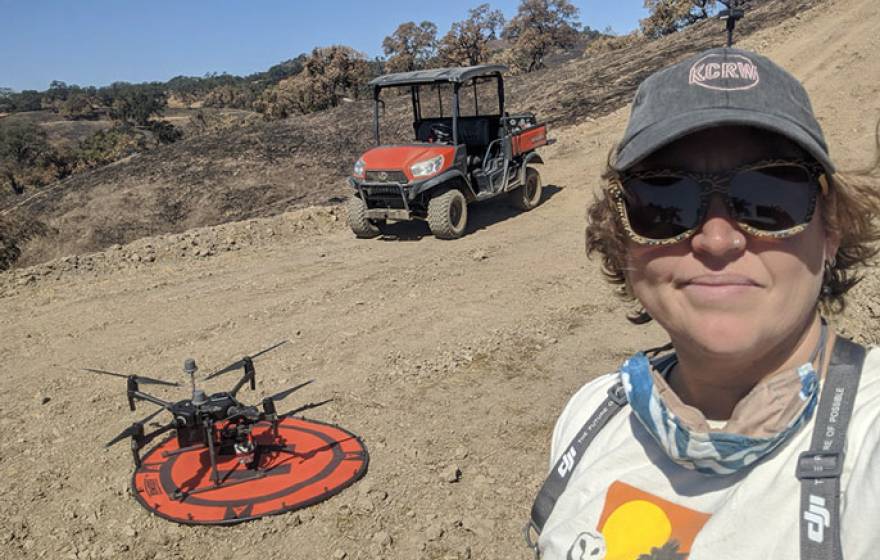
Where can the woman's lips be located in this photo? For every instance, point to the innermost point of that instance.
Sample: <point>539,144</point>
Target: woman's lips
<point>719,286</point>
<point>721,280</point>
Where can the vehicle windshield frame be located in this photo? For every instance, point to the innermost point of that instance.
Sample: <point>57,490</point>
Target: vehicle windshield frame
<point>416,96</point>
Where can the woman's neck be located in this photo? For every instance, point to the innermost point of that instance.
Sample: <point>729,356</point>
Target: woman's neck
<point>715,384</point>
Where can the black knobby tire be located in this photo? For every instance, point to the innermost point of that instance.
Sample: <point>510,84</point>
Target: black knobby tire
<point>528,195</point>
<point>358,221</point>
<point>447,215</point>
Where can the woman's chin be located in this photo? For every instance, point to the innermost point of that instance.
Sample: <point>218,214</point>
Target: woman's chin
<point>718,336</point>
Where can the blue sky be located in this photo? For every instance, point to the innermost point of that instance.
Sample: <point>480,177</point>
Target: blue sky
<point>96,42</point>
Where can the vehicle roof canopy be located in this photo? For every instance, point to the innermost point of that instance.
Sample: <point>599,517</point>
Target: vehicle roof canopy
<point>435,75</point>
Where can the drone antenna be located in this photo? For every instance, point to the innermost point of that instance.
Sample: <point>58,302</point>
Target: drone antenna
<point>190,368</point>
<point>732,14</point>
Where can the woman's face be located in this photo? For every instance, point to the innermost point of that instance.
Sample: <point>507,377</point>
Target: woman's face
<point>722,292</point>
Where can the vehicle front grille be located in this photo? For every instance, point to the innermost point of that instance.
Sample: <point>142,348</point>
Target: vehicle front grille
<point>386,177</point>
<point>382,196</point>
<point>383,191</point>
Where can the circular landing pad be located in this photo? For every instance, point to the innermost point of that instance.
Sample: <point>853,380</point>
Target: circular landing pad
<point>321,461</point>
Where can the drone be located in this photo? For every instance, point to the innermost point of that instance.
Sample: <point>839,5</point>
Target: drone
<point>735,11</point>
<point>240,457</point>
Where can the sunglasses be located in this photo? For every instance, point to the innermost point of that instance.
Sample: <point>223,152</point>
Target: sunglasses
<point>770,199</point>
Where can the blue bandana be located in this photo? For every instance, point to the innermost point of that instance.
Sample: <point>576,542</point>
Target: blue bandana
<point>713,453</point>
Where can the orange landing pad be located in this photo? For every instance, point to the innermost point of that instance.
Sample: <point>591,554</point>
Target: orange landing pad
<point>322,460</point>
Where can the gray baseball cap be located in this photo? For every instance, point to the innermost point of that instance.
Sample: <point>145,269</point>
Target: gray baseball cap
<point>723,86</point>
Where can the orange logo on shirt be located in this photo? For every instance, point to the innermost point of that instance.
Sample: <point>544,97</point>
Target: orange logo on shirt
<point>637,525</point>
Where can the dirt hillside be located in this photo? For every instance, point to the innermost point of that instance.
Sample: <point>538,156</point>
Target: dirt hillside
<point>447,357</point>
<point>259,169</point>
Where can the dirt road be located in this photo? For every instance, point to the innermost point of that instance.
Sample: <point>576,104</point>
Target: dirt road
<point>444,356</point>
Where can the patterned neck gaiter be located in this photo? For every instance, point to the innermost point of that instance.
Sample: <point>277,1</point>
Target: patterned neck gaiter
<point>707,451</point>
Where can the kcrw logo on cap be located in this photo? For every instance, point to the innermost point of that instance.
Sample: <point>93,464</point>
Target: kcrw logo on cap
<point>732,72</point>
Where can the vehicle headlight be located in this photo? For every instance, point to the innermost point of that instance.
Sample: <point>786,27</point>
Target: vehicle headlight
<point>427,167</point>
<point>359,168</point>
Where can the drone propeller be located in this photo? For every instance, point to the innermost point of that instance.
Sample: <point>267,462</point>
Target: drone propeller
<point>136,378</point>
<point>269,402</point>
<point>303,408</point>
<point>134,429</point>
<point>287,392</point>
<point>240,363</point>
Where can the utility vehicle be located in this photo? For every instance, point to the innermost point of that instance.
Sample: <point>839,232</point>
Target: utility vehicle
<point>466,148</point>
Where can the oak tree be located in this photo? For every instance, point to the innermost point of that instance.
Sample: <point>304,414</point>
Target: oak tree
<point>539,27</point>
<point>410,47</point>
<point>468,41</point>
<point>329,75</point>
<point>669,16</point>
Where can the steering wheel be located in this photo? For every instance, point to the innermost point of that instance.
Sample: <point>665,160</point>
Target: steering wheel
<point>441,133</point>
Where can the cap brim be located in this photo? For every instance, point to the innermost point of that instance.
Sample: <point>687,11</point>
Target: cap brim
<point>665,132</point>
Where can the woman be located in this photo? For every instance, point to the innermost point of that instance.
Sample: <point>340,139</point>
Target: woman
<point>724,219</point>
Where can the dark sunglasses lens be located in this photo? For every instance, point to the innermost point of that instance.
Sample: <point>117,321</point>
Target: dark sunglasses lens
<point>662,207</point>
<point>773,198</point>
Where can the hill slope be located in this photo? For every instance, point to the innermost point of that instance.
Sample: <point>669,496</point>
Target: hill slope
<point>267,168</point>
<point>443,355</point>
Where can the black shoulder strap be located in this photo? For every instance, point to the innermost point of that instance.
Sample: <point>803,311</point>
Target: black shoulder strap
<point>558,478</point>
<point>819,468</point>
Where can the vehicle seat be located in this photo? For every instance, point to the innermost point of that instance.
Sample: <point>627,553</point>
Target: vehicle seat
<point>472,131</point>
<point>423,132</point>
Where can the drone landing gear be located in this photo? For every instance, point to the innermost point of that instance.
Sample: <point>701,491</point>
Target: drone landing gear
<point>253,470</point>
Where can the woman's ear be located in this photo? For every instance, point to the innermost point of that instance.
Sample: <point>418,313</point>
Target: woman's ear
<point>832,244</point>
<point>832,234</point>
<point>831,225</point>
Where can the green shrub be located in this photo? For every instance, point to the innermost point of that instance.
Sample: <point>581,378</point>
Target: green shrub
<point>27,158</point>
<point>106,146</point>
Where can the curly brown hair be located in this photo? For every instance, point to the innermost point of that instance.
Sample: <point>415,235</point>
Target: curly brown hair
<point>848,210</point>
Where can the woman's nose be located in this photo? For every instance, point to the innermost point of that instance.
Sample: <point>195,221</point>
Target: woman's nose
<point>719,234</point>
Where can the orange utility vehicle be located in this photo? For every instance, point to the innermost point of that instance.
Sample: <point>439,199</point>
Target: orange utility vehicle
<point>460,154</point>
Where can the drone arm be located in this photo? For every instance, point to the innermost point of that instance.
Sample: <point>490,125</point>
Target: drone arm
<point>132,388</point>
<point>239,385</point>
<point>269,407</point>
<point>158,432</point>
<point>136,445</point>
<point>137,442</point>
<point>149,398</point>
<point>250,375</point>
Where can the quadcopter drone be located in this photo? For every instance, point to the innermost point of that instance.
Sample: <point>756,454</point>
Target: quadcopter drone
<point>733,12</point>
<point>228,461</point>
